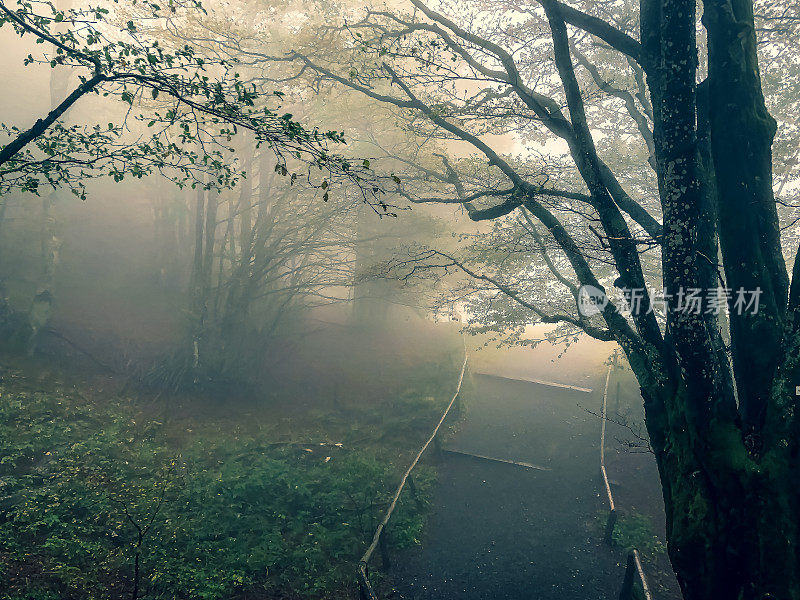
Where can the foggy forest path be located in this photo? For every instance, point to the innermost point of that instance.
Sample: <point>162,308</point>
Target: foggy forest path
<point>501,531</point>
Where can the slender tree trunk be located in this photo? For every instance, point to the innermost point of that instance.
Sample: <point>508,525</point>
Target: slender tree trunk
<point>3,207</point>
<point>222,292</point>
<point>196,280</point>
<point>41,306</point>
<point>246,196</point>
<point>208,255</point>
<point>237,305</point>
<point>197,263</point>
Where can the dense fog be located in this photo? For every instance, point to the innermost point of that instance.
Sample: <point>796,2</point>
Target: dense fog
<point>412,299</point>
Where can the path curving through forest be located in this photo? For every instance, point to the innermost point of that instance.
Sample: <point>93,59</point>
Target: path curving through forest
<point>506,532</point>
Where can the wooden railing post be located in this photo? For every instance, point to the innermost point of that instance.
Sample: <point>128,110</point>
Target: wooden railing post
<point>437,447</point>
<point>379,539</point>
<point>412,487</point>
<point>387,564</point>
<point>627,583</point>
<point>363,583</point>
<point>608,538</point>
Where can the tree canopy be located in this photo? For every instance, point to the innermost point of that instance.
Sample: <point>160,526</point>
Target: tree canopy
<point>184,105</point>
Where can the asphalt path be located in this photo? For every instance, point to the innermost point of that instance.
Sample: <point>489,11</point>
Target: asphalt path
<point>505,532</point>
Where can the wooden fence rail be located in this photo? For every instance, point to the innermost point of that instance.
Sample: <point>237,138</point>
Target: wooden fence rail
<point>634,564</point>
<point>379,539</point>
<point>633,569</point>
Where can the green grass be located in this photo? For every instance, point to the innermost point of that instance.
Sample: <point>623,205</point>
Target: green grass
<point>224,512</point>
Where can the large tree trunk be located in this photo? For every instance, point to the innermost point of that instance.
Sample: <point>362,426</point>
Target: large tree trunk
<point>741,142</point>
<point>727,455</point>
<point>732,522</point>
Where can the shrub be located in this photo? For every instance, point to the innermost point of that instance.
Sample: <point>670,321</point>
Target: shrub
<point>95,502</point>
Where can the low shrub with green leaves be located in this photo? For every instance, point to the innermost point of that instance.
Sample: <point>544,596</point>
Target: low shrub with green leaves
<point>635,530</point>
<point>98,502</point>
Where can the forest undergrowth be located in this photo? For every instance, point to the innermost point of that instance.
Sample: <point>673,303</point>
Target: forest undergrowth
<point>111,493</point>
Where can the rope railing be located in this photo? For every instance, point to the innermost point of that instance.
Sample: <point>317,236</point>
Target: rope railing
<point>379,539</point>
<point>612,515</point>
<point>555,384</point>
<point>633,567</point>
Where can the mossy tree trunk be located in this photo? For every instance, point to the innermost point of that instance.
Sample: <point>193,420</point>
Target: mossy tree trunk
<point>731,516</point>
<point>724,433</point>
